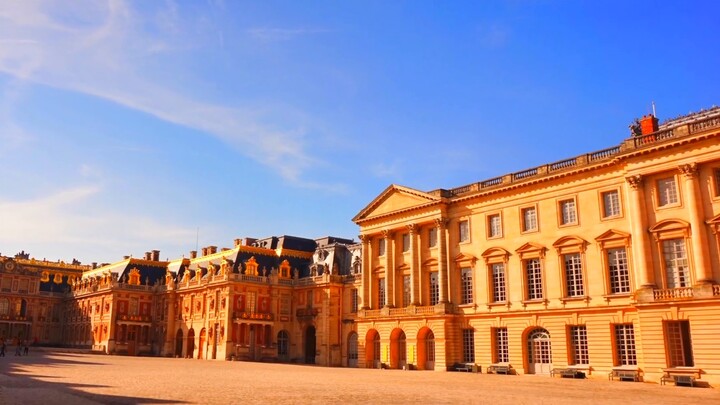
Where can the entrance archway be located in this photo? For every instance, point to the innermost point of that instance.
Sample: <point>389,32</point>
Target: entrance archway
<point>190,351</point>
<point>201,345</point>
<point>372,349</point>
<point>539,352</point>
<point>310,350</point>
<point>426,349</point>
<point>352,349</point>
<point>178,343</point>
<point>398,349</point>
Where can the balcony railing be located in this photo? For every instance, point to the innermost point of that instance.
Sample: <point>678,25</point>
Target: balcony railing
<point>397,312</point>
<point>671,294</point>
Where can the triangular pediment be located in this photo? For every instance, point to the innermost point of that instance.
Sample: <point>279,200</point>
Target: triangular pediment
<point>531,249</point>
<point>395,199</point>
<point>612,235</point>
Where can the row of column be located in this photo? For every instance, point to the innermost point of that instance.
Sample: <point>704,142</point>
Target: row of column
<point>416,279</point>
<point>638,220</point>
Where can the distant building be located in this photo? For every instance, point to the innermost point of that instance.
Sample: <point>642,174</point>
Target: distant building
<point>607,262</point>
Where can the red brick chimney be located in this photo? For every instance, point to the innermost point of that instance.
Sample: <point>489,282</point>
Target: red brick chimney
<point>648,124</point>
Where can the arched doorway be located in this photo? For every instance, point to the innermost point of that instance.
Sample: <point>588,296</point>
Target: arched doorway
<point>398,349</point>
<point>310,349</point>
<point>190,344</point>
<point>426,349</point>
<point>283,345</point>
<point>178,343</point>
<point>372,349</point>
<point>539,352</point>
<point>352,349</point>
<point>201,345</point>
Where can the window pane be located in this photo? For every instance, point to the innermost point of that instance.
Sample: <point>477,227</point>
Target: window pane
<point>611,204</point>
<point>676,266</point>
<point>468,345</point>
<point>625,345</point>
<point>501,346</point>
<point>573,275</point>
<point>434,289</point>
<point>667,192</point>
<point>578,339</point>
<point>498,282</point>
<point>618,271</point>
<point>464,228</point>
<point>567,212</point>
<point>466,290</point>
<point>432,237</point>
<point>533,277</point>
<point>529,219</point>
<point>494,226</point>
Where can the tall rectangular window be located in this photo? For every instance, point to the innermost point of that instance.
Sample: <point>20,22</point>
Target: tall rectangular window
<point>533,277</point>
<point>667,192</point>
<point>406,291</point>
<point>354,300</point>
<point>494,226</point>
<point>716,180</point>
<point>573,275</point>
<point>568,215</point>
<point>611,204</point>
<point>466,288</point>
<point>579,343</point>
<point>498,282</point>
<point>406,242</point>
<point>678,344</point>
<point>529,219</point>
<point>676,264</point>
<point>625,345</point>
<point>618,270</point>
<point>381,247</point>
<point>464,230</point>
<point>432,237</point>
<point>501,354</point>
<point>468,346</point>
<point>381,292</point>
<point>434,289</point>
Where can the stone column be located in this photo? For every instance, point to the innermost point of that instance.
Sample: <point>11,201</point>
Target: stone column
<point>703,270</point>
<point>414,273</point>
<point>442,260</point>
<point>643,268</point>
<point>389,269</point>
<point>366,275</point>
<point>170,333</point>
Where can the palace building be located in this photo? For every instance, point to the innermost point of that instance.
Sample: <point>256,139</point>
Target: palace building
<point>605,264</point>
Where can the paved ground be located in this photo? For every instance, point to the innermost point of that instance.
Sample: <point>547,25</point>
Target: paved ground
<point>77,378</point>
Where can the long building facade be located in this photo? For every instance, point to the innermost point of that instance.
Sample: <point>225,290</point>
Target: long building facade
<point>603,263</point>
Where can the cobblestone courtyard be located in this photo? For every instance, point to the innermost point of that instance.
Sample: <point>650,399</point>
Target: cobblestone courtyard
<point>77,378</point>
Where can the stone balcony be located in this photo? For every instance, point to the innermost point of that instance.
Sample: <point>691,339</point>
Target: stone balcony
<point>700,291</point>
<point>409,311</point>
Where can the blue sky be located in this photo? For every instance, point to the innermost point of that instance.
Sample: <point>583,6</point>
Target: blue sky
<point>126,126</point>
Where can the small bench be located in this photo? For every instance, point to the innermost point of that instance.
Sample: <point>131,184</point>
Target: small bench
<point>624,375</point>
<point>680,376</point>
<point>467,367</point>
<point>567,373</point>
<point>499,369</point>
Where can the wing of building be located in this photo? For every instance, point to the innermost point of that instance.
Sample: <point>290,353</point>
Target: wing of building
<point>605,263</point>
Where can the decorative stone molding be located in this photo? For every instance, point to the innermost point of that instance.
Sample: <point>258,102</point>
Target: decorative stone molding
<point>689,170</point>
<point>634,181</point>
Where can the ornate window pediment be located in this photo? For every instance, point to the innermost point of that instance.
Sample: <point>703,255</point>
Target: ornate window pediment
<point>464,258</point>
<point>251,267</point>
<point>714,224</point>
<point>134,277</point>
<point>671,228</point>
<point>285,269</point>
<point>570,244</point>
<point>531,249</point>
<point>613,237</point>
<point>496,254</point>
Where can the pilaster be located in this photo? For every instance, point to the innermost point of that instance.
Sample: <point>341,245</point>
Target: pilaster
<point>693,201</point>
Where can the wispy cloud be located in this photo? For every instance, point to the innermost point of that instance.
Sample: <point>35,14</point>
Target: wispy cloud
<point>282,34</point>
<point>67,217</point>
<point>100,50</point>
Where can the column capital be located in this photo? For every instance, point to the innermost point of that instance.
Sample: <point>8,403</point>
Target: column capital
<point>386,233</point>
<point>412,228</point>
<point>441,222</point>
<point>634,181</point>
<point>689,170</point>
<point>364,238</point>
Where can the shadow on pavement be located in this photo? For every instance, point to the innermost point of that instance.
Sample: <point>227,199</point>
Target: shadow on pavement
<point>15,381</point>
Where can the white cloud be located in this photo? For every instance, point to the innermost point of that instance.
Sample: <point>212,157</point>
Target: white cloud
<point>100,49</point>
<point>68,218</point>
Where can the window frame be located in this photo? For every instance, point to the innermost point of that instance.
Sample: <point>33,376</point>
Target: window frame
<point>658,192</point>
<point>382,247</point>
<point>603,204</point>
<point>610,240</point>
<point>565,247</point>
<point>493,257</point>
<point>625,346</point>
<point>468,337</point>
<point>405,241</point>
<point>491,232</point>
<point>500,345</point>
<point>464,222</point>
<point>686,352</point>
<point>466,286</point>
<point>527,252</point>
<point>560,211</point>
<point>715,174</point>
<point>579,349</point>
<point>523,223</point>
<point>432,237</point>
<point>669,230</point>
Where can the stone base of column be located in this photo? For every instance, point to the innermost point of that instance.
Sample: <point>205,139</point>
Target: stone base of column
<point>645,294</point>
<point>443,308</point>
<point>703,289</point>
